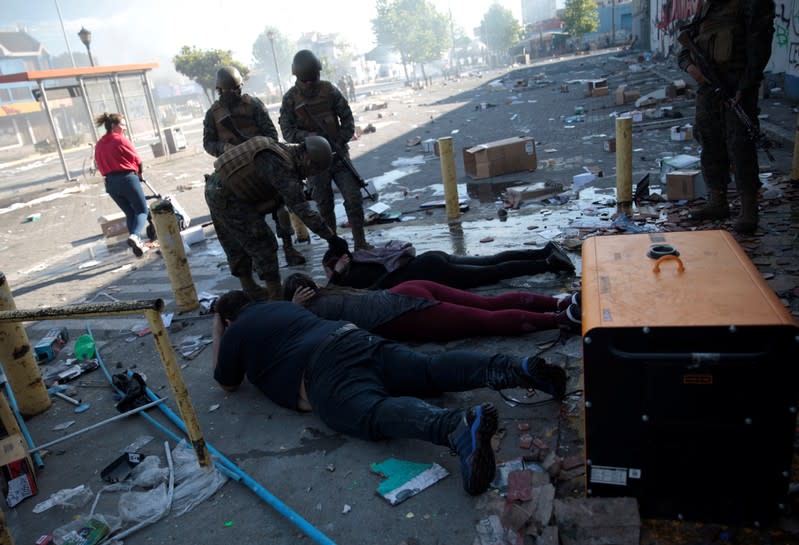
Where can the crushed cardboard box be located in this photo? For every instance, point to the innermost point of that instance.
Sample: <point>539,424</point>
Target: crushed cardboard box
<point>17,470</point>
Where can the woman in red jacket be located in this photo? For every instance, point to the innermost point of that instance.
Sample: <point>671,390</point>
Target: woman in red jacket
<point>119,162</point>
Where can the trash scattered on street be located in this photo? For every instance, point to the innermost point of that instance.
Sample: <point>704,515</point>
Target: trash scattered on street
<point>405,479</point>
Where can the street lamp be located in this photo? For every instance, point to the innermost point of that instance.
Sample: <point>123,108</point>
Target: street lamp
<point>271,36</point>
<point>86,38</point>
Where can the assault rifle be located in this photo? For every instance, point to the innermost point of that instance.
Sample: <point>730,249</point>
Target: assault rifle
<point>712,77</point>
<point>338,153</point>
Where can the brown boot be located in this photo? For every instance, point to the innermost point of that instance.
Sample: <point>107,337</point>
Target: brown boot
<point>359,239</point>
<point>746,223</point>
<point>275,289</point>
<point>251,288</point>
<point>293,257</point>
<point>717,207</point>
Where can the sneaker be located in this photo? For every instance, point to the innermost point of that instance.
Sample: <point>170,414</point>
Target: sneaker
<point>566,299</point>
<point>471,441</point>
<point>571,318</point>
<point>558,259</point>
<point>538,374</point>
<point>136,245</point>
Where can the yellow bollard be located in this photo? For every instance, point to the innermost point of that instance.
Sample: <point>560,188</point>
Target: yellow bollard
<point>7,418</point>
<point>449,177</point>
<point>624,165</point>
<point>17,357</point>
<point>185,407</point>
<point>300,230</point>
<point>5,535</point>
<point>795,164</point>
<point>177,266</point>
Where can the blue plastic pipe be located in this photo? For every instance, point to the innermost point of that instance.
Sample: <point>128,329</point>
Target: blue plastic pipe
<point>12,401</point>
<point>227,467</point>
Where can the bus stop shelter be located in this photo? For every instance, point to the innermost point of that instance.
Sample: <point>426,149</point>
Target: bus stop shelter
<point>79,82</point>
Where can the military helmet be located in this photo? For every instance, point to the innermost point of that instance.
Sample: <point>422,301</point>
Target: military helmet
<point>306,66</point>
<point>228,77</point>
<point>318,150</point>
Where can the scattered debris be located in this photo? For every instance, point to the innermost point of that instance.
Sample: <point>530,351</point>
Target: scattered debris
<point>406,479</point>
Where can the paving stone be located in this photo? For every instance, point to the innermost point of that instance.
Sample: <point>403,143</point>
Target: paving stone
<point>598,521</point>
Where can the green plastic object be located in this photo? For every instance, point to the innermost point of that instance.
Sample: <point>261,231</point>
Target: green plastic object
<point>84,347</point>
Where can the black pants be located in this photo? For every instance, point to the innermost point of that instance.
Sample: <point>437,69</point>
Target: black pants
<point>465,272</point>
<point>365,386</point>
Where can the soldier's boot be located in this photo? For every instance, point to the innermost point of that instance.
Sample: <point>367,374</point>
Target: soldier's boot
<point>275,289</point>
<point>293,257</point>
<point>746,223</point>
<point>359,238</point>
<point>251,288</point>
<point>717,207</point>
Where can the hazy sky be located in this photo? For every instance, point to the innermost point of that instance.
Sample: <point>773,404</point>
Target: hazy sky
<point>154,30</point>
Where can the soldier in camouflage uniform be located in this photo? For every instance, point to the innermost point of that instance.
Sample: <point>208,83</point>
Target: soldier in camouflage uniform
<point>323,101</point>
<point>233,119</point>
<point>237,207</point>
<point>734,35</point>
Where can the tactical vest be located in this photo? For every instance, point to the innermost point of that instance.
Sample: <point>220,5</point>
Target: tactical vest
<point>237,169</point>
<point>241,116</point>
<point>319,106</point>
<point>721,34</point>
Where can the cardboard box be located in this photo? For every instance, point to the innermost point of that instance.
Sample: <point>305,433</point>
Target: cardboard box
<point>620,94</point>
<point>113,224</point>
<point>500,157</point>
<point>685,185</point>
<point>610,145</point>
<point>532,192</point>
<point>598,88</point>
<point>686,132</point>
<point>17,470</point>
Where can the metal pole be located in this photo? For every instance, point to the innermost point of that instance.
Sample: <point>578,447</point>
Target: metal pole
<point>55,132</point>
<point>185,407</point>
<point>60,20</point>
<point>277,70</point>
<point>153,113</point>
<point>97,425</point>
<point>448,177</point>
<point>624,165</point>
<point>88,106</point>
<point>16,353</point>
<point>174,254</point>
<point>118,87</point>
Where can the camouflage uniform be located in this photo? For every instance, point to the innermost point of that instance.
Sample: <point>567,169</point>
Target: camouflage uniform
<point>251,118</point>
<point>330,107</point>
<point>247,240</point>
<point>735,36</point>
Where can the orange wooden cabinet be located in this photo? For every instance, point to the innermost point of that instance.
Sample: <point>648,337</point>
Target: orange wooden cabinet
<point>691,372</point>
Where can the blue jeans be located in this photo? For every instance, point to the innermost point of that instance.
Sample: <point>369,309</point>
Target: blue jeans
<point>126,191</point>
<point>365,386</point>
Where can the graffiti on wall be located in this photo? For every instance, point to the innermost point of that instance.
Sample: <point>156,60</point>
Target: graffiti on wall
<point>785,48</point>
<point>670,15</point>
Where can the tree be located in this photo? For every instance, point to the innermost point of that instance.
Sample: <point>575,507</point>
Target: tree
<point>580,17</point>
<point>201,66</point>
<point>413,28</point>
<point>284,52</point>
<point>499,29</point>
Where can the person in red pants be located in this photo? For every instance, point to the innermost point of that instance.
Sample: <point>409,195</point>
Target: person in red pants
<point>421,310</point>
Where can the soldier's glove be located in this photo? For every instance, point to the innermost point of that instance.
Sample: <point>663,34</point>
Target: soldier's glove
<point>338,245</point>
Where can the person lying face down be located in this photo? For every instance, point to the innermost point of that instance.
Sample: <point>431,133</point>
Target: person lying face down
<point>420,310</point>
<point>456,271</point>
<point>365,386</point>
